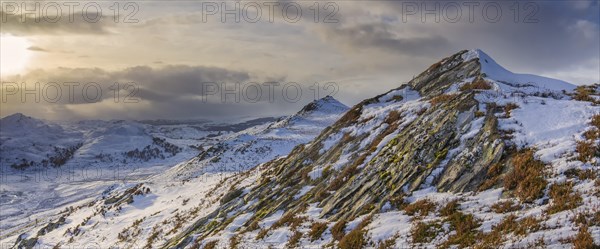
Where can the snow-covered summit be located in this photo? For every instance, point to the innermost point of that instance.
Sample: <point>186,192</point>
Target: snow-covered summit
<point>14,117</point>
<point>327,104</point>
<point>25,140</point>
<point>319,112</point>
<point>19,121</point>
<point>494,71</point>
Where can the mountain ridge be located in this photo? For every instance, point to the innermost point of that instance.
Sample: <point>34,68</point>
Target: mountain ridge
<point>449,138</point>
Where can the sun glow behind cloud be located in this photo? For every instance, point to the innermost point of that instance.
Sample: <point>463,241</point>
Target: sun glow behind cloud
<point>14,54</point>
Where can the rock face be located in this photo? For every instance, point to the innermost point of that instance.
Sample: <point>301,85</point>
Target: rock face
<point>382,149</point>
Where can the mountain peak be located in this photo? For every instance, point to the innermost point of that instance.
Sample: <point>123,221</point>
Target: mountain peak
<point>492,70</point>
<point>15,116</point>
<point>327,104</point>
<point>18,119</point>
<point>468,55</point>
<point>475,63</point>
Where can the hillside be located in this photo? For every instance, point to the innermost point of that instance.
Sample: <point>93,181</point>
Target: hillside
<point>455,157</point>
<point>467,154</point>
<point>174,184</point>
<point>46,165</point>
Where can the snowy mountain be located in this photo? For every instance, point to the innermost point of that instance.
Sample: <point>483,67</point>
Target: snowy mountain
<point>112,140</point>
<point>467,154</point>
<point>26,141</point>
<point>45,165</point>
<point>246,149</point>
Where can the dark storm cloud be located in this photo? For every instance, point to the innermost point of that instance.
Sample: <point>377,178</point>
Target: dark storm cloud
<point>563,36</point>
<point>152,84</point>
<point>379,35</point>
<point>174,91</point>
<point>177,81</point>
<point>546,36</point>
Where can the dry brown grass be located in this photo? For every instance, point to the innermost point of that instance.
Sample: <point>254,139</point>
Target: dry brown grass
<point>234,242</point>
<point>351,116</point>
<point>422,111</point>
<point>591,218</point>
<point>434,66</point>
<point>253,226</point>
<point>596,121</point>
<point>492,176</point>
<point>343,177</point>
<point>398,201</point>
<point>465,226</point>
<point>420,208</point>
<point>478,84</point>
<point>388,243</point>
<point>587,150</point>
<point>443,98</point>
<point>527,225</point>
<point>337,231</point>
<point>316,230</point>
<point>321,194</point>
<point>450,208</point>
<point>592,134</point>
<point>508,108</point>
<point>584,239</point>
<point>563,197</point>
<point>262,234</point>
<point>356,238</point>
<point>527,176</point>
<point>392,117</point>
<point>425,232</point>
<point>288,219</point>
<point>294,240</point>
<point>211,244</point>
<point>519,227</point>
<point>505,207</point>
<point>587,174</point>
<point>582,93</point>
<point>489,240</point>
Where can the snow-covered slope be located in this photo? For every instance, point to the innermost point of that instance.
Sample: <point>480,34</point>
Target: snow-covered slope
<point>45,165</point>
<point>189,182</point>
<point>494,71</point>
<point>27,141</point>
<point>246,149</point>
<point>467,154</point>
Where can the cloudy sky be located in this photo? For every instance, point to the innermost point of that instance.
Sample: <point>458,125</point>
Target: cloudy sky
<point>171,60</point>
